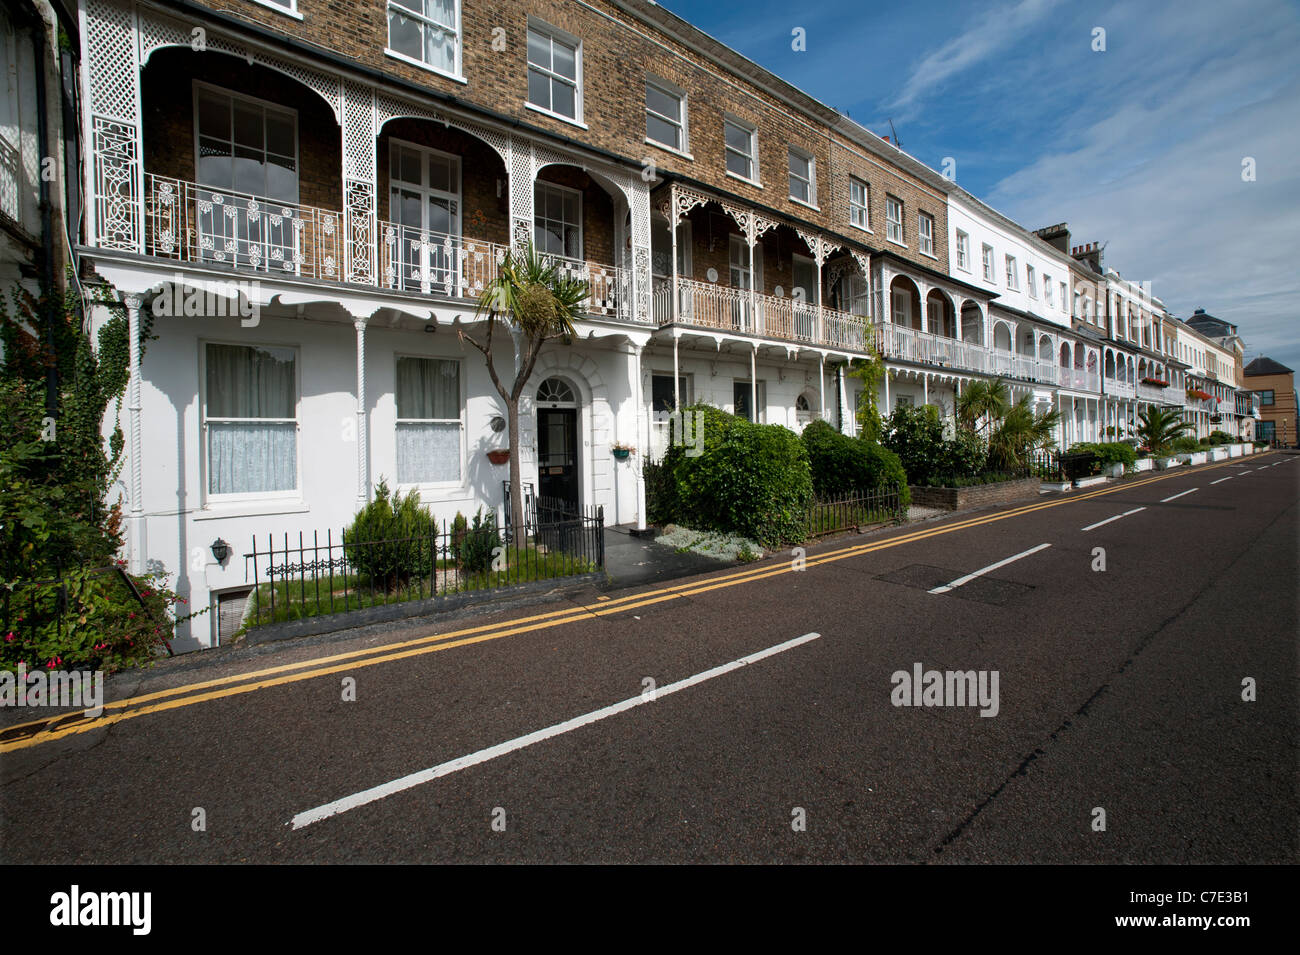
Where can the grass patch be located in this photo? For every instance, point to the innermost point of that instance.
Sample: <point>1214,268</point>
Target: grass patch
<point>321,595</point>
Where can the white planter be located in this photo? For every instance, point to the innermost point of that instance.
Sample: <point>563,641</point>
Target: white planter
<point>1143,464</point>
<point>1184,457</point>
<point>1090,481</point>
<point>1199,457</point>
<point>1164,464</point>
<point>1115,470</point>
<point>1234,450</point>
<point>1218,454</point>
<point>1247,449</point>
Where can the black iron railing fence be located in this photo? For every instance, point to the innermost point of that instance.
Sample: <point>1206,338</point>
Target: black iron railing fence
<point>313,575</point>
<point>832,515</point>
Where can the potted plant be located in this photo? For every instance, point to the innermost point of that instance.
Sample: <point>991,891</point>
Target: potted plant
<point>622,451</point>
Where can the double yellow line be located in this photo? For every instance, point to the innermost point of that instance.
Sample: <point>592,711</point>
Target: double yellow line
<point>30,734</point>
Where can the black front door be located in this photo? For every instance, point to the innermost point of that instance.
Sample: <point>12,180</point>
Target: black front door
<point>557,455</point>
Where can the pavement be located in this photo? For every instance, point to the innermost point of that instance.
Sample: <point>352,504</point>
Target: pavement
<point>1142,636</point>
<point>631,560</point>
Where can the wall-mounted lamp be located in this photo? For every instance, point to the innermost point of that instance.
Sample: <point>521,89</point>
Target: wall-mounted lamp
<point>220,550</point>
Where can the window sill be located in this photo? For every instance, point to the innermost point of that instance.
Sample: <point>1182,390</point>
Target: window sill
<point>668,149</point>
<point>901,245</point>
<point>294,14</point>
<point>863,228</point>
<point>425,66</point>
<point>561,117</point>
<point>928,255</point>
<point>227,510</point>
<point>752,182</point>
<point>806,205</point>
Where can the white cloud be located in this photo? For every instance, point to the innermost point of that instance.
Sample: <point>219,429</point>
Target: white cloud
<point>998,30</point>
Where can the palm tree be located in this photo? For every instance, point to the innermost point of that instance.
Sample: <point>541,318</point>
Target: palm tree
<point>537,302</point>
<point>1020,431</point>
<point>1159,427</point>
<point>985,401</point>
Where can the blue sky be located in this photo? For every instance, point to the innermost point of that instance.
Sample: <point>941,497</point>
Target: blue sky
<point>1139,147</point>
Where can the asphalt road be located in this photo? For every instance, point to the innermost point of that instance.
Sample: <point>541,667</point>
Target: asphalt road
<point>1118,689</point>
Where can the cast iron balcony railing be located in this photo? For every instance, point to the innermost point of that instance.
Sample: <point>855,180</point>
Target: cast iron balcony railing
<point>706,305</point>
<point>199,224</point>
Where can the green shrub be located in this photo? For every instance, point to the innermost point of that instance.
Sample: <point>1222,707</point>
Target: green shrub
<point>916,436</point>
<point>475,550</point>
<point>973,480</point>
<point>90,620</point>
<point>1185,444</point>
<point>966,454</point>
<point>749,479</point>
<point>660,503</point>
<point>1221,437</point>
<point>391,540</point>
<point>1106,452</point>
<point>843,466</point>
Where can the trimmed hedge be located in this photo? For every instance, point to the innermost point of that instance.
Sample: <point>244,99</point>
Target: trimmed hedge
<point>843,466</point>
<point>915,435</point>
<point>750,479</point>
<point>1107,452</point>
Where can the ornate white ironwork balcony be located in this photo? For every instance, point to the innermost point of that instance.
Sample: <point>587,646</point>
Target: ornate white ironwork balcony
<point>9,180</point>
<point>199,224</point>
<point>706,305</point>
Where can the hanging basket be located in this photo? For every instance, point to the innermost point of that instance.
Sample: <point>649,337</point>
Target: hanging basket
<point>499,455</point>
<point>621,454</point>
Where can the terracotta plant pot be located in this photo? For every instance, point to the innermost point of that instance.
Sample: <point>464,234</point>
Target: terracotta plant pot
<point>499,455</point>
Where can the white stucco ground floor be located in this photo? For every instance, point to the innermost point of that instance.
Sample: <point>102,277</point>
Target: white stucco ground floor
<point>277,409</point>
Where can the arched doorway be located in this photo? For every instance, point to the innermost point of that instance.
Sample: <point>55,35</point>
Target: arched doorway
<point>557,442</point>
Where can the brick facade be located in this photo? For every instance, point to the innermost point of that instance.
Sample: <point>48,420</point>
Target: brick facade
<point>618,52</point>
<point>167,95</point>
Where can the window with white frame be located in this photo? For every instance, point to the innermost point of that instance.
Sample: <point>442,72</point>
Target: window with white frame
<point>925,233</point>
<point>1064,295</point>
<point>1032,281</point>
<point>554,71</point>
<point>963,251</point>
<point>1047,290</point>
<point>988,264</point>
<point>286,6</point>
<point>1013,280</point>
<point>429,421</point>
<point>427,31</point>
<point>894,219</point>
<point>246,145</point>
<point>859,210</point>
<point>803,177</point>
<point>250,418</point>
<point>557,220</point>
<point>741,148</point>
<point>665,115</point>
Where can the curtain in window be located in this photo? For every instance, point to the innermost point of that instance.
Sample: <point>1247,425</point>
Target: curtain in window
<point>428,451</point>
<point>251,456</point>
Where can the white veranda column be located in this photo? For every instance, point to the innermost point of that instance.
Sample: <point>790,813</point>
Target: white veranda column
<point>643,437</point>
<point>363,432</point>
<point>136,538</point>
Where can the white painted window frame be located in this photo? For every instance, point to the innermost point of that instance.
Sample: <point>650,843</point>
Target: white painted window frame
<point>398,421</point>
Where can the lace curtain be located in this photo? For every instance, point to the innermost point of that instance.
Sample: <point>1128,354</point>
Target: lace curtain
<point>428,421</point>
<point>251,456</point>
